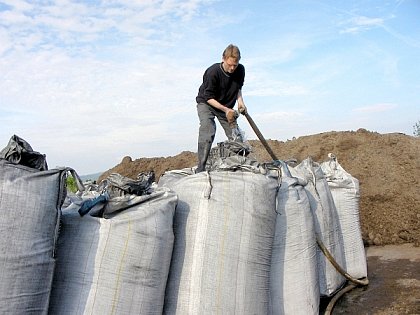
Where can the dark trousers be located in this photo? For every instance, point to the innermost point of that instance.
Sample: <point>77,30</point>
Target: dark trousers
<point>207,131</point>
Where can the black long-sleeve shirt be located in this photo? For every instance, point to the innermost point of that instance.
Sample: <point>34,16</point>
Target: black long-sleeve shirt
<point>220,85</point>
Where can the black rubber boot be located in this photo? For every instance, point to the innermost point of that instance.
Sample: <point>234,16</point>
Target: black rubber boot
<point>202,154</point>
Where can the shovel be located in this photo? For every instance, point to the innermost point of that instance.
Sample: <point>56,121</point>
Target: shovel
<point>260,136</point>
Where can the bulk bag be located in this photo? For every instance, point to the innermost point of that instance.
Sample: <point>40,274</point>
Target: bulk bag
<point>327,225</point>
<point>346,194</point>
<point>294,275</point>
<point>30,202</point>
<point>224,228</point>
<point>116,263</point>
<point>168,178</point>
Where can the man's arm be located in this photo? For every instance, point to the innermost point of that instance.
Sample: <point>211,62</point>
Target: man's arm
<point>229,112</point>
<point>241,104</point>
<point>217,105</point>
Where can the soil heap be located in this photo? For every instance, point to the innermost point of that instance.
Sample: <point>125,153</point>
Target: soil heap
<point>386,165</point>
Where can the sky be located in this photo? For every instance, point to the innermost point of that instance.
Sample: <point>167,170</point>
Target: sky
<point>89,82</point>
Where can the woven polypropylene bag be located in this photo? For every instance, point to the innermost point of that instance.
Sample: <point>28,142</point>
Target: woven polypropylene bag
<point>294,274</point>
<point>118,264</point>
<point>345,192</point>
<point>30,202</point>
<point>224,228</point>
<point>327,225</point>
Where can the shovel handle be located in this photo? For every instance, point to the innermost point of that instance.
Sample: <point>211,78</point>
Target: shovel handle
<point>260,136</point>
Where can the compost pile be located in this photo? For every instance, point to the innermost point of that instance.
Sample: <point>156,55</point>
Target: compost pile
<point>386,165</point>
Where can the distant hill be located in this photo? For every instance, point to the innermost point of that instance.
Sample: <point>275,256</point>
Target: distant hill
<point>92,177</point>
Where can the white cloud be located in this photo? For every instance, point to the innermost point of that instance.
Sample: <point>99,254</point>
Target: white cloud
<point>366,21</point>
<point>19,5</point>
<point>5,42</point>
<point>376,108</point>
<point>72,24</point>
<point>362,23</point>
<point>265,87</point>
<point>280,116</point>
<point>58,85</point>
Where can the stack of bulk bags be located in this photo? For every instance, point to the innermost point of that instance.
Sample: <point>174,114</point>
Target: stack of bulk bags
<point>294,274</point>
<point>345,192</point>
<point>30,200</point>
<point>327,225</point>
<point>115,259</point>
<point>224,229</point>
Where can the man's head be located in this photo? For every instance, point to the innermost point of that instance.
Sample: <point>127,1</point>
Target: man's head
<point>231,57</point>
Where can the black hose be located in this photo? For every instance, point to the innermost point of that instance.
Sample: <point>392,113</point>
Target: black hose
<point>337,296</point>
<point>362,282</point>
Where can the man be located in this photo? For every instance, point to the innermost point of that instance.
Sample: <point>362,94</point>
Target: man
<point>217,95</point>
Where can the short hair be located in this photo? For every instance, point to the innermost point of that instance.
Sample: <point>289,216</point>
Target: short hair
<point>232,51</point>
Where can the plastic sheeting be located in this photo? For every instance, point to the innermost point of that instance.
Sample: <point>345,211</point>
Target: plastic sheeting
<point>30,202</point>
<point>294,274</point>
<point>224,229</point>
<point>19,151</point>
<point>118,264</point>
<point>327,225</point>
<point>118,185</point>
<point>345,192</point>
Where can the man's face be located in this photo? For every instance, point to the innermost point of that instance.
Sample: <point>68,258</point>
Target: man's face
<point>230,64</point>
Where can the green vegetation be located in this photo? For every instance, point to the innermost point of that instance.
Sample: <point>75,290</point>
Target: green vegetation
<point>71,184</point>
<point>416,128</point>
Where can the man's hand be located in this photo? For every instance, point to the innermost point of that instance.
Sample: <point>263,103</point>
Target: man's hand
<point>231,116</point>
<point>242,109</point>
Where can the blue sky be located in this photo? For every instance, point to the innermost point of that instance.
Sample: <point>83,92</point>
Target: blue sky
<point>89,82</point>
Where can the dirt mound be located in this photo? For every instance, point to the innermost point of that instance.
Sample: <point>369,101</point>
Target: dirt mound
<point>387,166</point>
